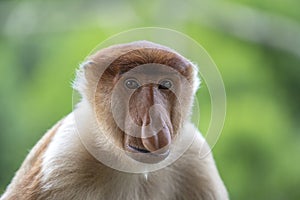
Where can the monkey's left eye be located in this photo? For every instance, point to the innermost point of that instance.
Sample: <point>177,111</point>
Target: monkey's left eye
<point>165,84</point>
<point>132,84</point>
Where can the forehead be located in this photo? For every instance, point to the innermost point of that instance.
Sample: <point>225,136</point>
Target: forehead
<point>153,61</point>
<point>152,69</point>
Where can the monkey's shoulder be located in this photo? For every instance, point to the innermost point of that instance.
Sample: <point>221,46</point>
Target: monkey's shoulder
<point>26,183</point>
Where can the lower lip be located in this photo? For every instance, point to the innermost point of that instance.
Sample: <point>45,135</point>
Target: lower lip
<point>147,157</point>
<point>137,150</point>
<point>144,151</point>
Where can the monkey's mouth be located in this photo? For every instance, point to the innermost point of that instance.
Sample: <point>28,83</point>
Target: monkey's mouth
<point>138,149</point>
<point>152,149</point>
<point>145,156</point>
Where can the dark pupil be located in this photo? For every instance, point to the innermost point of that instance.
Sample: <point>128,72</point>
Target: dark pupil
<point>131,84</point>
<point>165,85</point>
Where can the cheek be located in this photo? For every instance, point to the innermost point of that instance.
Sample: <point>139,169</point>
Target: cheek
<point>119,104</point>
<point>108,111</point>
<point>175,106</point>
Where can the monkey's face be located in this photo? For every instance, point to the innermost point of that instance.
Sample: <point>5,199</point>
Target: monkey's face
<point>146,104</point>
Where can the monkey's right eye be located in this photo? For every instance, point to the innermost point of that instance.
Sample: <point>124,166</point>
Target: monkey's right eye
<point>132,84</point>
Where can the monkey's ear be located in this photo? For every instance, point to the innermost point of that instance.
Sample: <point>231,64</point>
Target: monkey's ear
<point>86,75</point>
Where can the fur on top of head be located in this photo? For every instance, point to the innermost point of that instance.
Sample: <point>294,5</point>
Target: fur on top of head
<point>103,58</point>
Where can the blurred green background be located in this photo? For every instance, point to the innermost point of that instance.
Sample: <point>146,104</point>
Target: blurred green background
<point>255,44</point>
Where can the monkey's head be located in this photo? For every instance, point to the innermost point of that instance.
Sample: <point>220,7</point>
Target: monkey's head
<point>141,94</point>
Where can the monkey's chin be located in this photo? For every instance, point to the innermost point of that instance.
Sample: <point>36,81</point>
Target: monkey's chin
<point>145,156</point>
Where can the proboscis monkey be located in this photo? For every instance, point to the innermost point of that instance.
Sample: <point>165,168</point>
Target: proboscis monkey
<point>125,138</point>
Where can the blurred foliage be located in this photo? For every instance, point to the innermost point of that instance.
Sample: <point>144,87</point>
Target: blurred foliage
<point>42,42</point>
